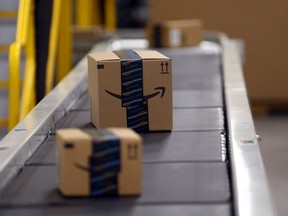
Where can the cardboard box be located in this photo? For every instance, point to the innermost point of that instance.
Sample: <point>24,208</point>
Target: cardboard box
<point>262,26</point>
<point>131,89</point>
<point>176,33</point>
<point>99,163</point>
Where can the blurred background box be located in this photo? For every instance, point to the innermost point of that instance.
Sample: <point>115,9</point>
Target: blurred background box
<point>175,33</point>
<point>263,27</point>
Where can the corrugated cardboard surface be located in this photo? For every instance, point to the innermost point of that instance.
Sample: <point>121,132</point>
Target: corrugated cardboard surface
<point>107,111</point>
<point>263,26</point>
<point>72,180</point>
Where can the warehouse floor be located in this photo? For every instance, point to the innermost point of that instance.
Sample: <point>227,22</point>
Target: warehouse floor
<point>274,147</point>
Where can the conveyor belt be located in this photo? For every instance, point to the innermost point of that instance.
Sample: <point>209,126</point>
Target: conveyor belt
<point>194,147</point>
<point>185,172</point>
<point>139,210</point>
<point>198,119</point>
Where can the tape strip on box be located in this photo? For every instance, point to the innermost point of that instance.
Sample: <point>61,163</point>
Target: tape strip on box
<point>104,163</point>
<point>132,93</point>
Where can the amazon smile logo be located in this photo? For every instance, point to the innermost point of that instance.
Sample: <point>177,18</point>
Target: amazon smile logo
<point>159,90</point>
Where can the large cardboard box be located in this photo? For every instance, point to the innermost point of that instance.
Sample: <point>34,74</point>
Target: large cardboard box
<point>98,163</point>
<point>175,33</point>
<point>130,89</point>
<point>262,25</point>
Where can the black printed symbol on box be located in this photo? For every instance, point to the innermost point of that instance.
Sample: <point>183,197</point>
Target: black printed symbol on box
<point>100,66</point>
<point>164,68</point>
<point>132,151</point>
<point>68,145</point>
<point>159,90</point>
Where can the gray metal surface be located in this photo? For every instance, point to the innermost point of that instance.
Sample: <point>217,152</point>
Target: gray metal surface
<point>201,80</point>
<point>185,146</point>
<point>201,71</point>
<point>3,103</point>
<point>46,154</point>
<point>4,64</point>
<point>77,119</point>
<point>82,104</point>
<point>9,5</point>
<point>250,186</point>
<point>138,210</point>
<point>7,31</point>
<point>206,119</point>
<point>197,98</point>
<point>162,183</point>
<point>160,147</point>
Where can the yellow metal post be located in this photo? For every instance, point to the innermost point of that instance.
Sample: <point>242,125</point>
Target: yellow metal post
<point>64,55</point>
<point>25,8</point>
<point>87,13</point>
<point>14,83</point>
<point>53,42</point>
<point>110,15</point>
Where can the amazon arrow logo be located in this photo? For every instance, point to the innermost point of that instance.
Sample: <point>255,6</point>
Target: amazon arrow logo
<point>159,90</point>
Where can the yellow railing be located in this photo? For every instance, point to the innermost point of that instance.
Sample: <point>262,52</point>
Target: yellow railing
<point>5,48</point>
<point>54,32</point>
<point>64,54</point>
<point>59,43</point>
<point>24,40</point>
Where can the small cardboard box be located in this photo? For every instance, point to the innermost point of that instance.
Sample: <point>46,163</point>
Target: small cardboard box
<point>131,89</point>
<point>176,33</point>
<point>99,163</point>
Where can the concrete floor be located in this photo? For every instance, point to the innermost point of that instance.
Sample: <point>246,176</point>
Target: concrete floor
<point>274,148</point>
